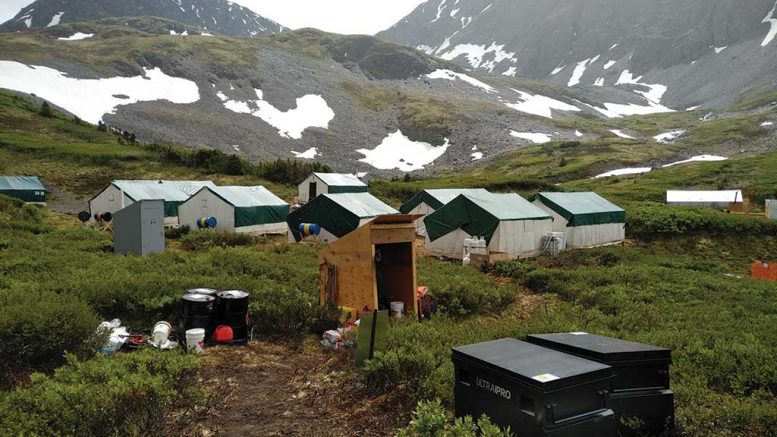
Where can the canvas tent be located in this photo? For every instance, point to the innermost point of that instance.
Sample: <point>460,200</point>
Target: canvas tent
<point>730,199</point>
<point>236,209</point>
<point>329,183</point>
<point>509,223</point>
<point>26,188</point>
<point>429,201</point>
<point>587,219</point>
<point>337,214</point>
<point>120,194</point>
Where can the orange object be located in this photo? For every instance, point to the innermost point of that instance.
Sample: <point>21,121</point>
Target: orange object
<point>223,334</point>
<point>765,271</point>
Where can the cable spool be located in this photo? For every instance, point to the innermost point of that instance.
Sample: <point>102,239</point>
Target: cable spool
<point>103,216</point>
<point>84,216</point>
<point>308,229</point>
<point>207,222</point>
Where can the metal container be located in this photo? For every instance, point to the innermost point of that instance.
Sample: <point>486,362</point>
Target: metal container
<point>197,312</point>
<point>640,388</point>
<point>534,390</point>
<point>232,310</point>
<point>206,291</point>
<point>771,209</point>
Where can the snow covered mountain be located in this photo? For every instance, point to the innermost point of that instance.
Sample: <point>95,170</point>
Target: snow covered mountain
<point>700,52</point>
<point>215,16</point>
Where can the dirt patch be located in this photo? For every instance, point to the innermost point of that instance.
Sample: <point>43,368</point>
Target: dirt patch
<point>282,388</point>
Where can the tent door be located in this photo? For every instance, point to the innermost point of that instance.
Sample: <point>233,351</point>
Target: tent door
<point>312,191</point>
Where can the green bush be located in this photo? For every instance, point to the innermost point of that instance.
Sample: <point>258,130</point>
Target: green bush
<point>460,290</point>
<point>36,328</point>
<point>17,215</point>
<point>177,233</point>
<point>651,220</point>
<point>431,420</point>
<point>203,240</point>
<point>124,394</point>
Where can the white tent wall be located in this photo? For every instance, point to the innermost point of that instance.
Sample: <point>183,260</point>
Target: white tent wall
<point>585,236</point>
<point>423,209</point>
<point>520,238</point>
<point>207,204</point>
<point>304,188</point>
<point>263,229</point>
<point>450,245</point>
<point>111,199</point>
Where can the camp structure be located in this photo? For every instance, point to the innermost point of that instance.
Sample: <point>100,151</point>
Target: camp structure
<point>730,200</point>
<point>336,215</point>
<point>510,224</point>
<point>586,219</point>
<point>120,194</point>
<point>236,209</point>
<point>329,183</point>
<point>139,228</point>
<point>429,201</point>
<point>372,266</point>
<point>26,188</point>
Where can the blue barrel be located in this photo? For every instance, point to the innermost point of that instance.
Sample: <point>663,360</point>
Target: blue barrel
<point>207,222</point>
<point>308,229</point>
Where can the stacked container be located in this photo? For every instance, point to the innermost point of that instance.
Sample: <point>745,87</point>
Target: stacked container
<point>640,388</point>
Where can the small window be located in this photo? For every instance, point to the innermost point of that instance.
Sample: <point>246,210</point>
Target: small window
<point>464,376</point>
<point>527,405</point>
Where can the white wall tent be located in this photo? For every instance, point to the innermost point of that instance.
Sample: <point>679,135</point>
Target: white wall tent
<point>337,214</point>
<point>237,209</point>
<point>509,223</point>
<point>428,201</point>
<point>120,194</point>
<point>705,199</point>
<point>587,219</point>
<point>329,183</point>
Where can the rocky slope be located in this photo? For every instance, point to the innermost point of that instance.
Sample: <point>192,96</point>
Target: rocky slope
<point>706,52</point>
<point>215,16</point>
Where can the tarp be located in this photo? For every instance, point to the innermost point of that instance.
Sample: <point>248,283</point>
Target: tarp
<point>437,198</point>
<point>26,188</point>
<point>480,215</point>
<point>341,180</point>
<point>174,193</point>
<point>253,205</point>
<point>726,196</point>
<point>338,213</point>
<point>582,209</point>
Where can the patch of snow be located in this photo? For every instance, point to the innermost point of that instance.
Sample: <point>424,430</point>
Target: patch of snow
<point>693,108</point>
<point>767,124</point>
<point>454,12</point>
<point>475,54</point>
<point>624,171</point>
<point>487,8</point>
<point>618,110</point>
<point>609,64</point>
<point>700,158</point>
<point>465,21</point>
<point>621,134</point>
<point>669,137</point>
<point>77,36</point>
<point>599,82</point>
<point>400,152</point>
<point>578,134</point>
<point>557,70</point>
<point>451,75</point>
<point>474,148</point>
<point>719,49</point>
<point>311,153</point>
<point>311,111</point>
<point>537,104</point>
<point>772,21</point>
<point>477,156</point>
<point>236,147</point>
<point>426,49</point>
<point>536,138</point>
<point>510,71</point>
<point>440,8</point>
<point>90,99</point>
<point>55,19</point>
<point>578,72</point>
<point>28,22</point>
<point>613,46</point>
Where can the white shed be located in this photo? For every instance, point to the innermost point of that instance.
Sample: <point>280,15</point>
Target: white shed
<point>121,194</point>
<point>237,209</point>
<point>329,183</point>
<point>726,199</point>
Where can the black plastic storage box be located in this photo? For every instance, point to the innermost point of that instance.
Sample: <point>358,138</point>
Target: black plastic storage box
<point>534,390</point>
<point>640,388</point>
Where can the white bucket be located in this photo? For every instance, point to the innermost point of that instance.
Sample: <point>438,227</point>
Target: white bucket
<point>195,339</point>
<point>397,308</point>
<point>161,332</point>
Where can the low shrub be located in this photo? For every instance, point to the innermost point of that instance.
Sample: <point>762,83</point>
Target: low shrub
<point>177,233</point>
<point>652,220</point>
<point>37,328</point>
<point>203,240</point>
<point>431,420</point>
<point>17,215</point>
<point>124,394</point>
<point>461,291</point>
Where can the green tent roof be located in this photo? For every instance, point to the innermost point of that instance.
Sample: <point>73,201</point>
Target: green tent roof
<point>582,209</point>
<point>253,205</point>
<point>338,213</point>
<point>479,215</point>
<point>26,188</point>
<point>438,197</point>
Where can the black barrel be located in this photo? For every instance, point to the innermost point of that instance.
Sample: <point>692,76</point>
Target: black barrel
<point>197,311</point>
<point>232,310</point>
